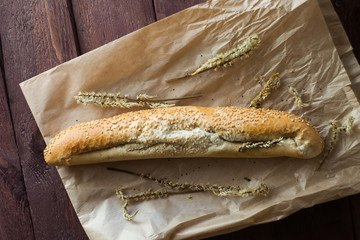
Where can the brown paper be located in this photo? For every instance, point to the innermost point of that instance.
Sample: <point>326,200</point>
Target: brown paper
<point>295,42</point>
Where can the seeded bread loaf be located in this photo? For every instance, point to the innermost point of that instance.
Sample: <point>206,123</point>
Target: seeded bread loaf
<point>189,131</point>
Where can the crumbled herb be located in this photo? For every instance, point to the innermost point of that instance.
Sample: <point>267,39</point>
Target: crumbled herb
<point>298,99</point>
<point>335,130</point>
<point>272,83</point>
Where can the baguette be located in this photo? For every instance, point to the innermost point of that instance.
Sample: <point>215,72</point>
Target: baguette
<point>189,131</point>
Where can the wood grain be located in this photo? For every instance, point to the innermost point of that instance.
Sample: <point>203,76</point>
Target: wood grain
<point>14,205</point>
<point>39,35</point>
<point>165,8</point>
<point>98,23</point>
<point>348,11</point>
<point>355,213</point>
<point>2,62</point>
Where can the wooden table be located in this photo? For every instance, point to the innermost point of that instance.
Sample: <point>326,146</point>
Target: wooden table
<point>38,35</point>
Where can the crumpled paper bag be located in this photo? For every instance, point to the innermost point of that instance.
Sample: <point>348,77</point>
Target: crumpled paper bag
<point>295,42</point>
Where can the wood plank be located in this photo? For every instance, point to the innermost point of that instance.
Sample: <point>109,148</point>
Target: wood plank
<point>1,59</point>
<point>348,11</point>
<point>355,213</point>
<point>165,8</point>
<point>98,23</point>
<point>37,36</point>
<point>14,205</point>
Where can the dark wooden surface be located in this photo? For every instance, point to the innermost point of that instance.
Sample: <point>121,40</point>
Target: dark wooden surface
<point>37,35</point>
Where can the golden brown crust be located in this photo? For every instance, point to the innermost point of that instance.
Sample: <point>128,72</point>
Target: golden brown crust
<point>186,132</point>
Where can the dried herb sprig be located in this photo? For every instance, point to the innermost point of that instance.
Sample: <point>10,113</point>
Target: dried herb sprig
<point>124,101</point>
<point>298,99</point>
<point>260,144</point>
<point>182,188</point>
<point>335,130</point>
<point>126,213</point>
<point>225,59</point>
<point>148,195</point>
<point>261,189</point>
<point>272,83</point>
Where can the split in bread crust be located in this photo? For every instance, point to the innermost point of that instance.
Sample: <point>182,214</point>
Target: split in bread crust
<point>180,132</point>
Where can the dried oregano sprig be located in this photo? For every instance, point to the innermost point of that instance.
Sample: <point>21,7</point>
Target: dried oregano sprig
<point>260,144</point>
<point>148,195</point>
<point>124,101</point>
<point>125,198</point>
<point>261,189</point>
<point>227,58</point>
<point>298,99</point>
<point>272,83</point>
<point>127,215</point>
<point>183,188</point>
<point>335,135</point>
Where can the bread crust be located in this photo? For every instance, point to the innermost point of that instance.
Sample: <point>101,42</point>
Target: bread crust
<point>187,131</point>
